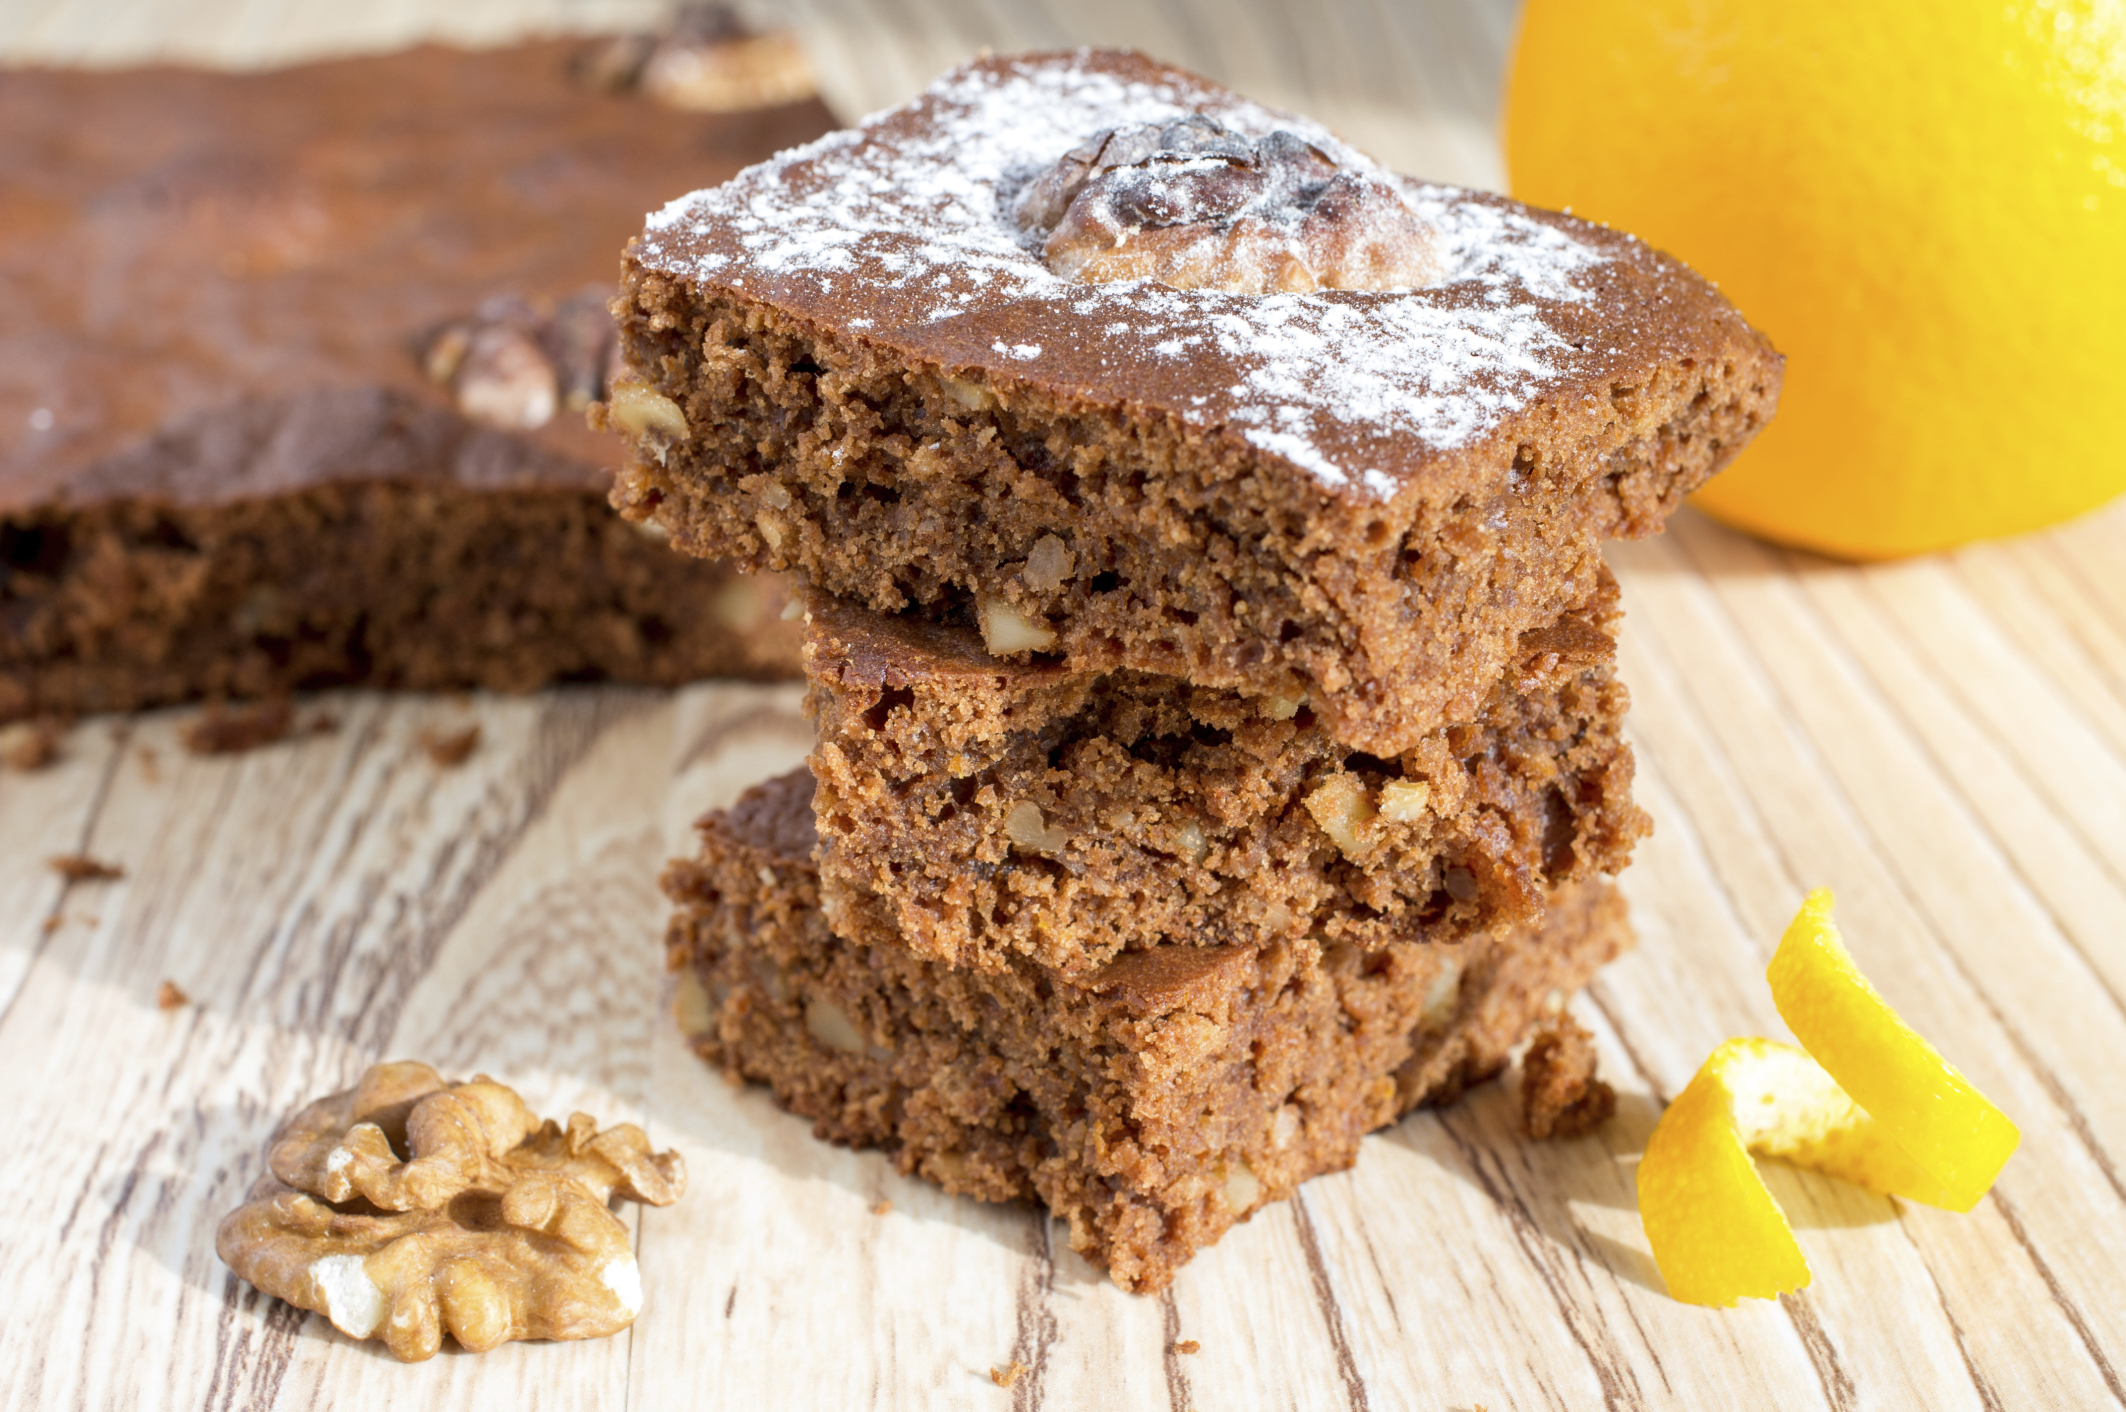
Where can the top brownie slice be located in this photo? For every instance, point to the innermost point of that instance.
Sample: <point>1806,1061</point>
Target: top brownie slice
<point>1138,373</point>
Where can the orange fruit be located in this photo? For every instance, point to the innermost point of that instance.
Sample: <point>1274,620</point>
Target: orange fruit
<point>1924,205</point>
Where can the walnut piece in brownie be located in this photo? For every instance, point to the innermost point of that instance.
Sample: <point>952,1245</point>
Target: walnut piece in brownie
<point>224,469</point>
<point>974,809</point>
<point>1150,1104</point>
<point>856,361</point>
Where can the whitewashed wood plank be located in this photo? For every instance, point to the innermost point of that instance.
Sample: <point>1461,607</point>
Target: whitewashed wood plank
<point>775,1275</point>
<point>2084,898</point>
<point>2057,748</point>
<point>44,813</point>
<point>2038,604</point>
<point>1821,835</point>
<point>1689,927</point>
<point>299,893</point>
<point>1269,1318</point>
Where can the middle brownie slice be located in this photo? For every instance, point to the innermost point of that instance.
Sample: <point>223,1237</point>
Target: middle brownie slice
<point>971,808</point>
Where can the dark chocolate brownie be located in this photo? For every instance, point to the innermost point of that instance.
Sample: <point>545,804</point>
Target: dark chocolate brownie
<point>224,469</point>
<point>920,362</point>
<point>1152,1103</point>
<point>973,809</point>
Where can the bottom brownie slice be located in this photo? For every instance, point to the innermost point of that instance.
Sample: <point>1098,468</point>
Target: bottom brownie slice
<point>1151,1103</point>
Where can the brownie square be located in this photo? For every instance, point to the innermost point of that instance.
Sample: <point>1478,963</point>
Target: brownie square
<point>975,810</point>
<point>1150,1103</point>
<point>227,464</point>
<point>1348,446</point>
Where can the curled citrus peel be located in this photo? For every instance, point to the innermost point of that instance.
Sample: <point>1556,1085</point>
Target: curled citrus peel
<point>1865,1099</point>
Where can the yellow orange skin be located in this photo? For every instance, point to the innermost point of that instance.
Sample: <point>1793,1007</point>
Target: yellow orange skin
<point>1924,205</point>
<point>1923,1103</point>
<point>1866,1100</point>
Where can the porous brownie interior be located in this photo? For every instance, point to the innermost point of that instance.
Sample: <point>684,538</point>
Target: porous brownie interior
<point>972,810</point>
<point>1150,1104</point>
<point>132,603</point>
<point>911,488</point>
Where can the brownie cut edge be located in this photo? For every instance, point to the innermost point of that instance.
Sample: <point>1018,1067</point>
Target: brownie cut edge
<point>1362,499</point>
<point>1150,1105</point>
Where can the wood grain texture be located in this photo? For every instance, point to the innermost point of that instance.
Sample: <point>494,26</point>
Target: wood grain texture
<point>1942,741</point>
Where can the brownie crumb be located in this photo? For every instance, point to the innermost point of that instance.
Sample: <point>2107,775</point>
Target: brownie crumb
<point>883,1208</point>
<point>170,996</point>
<point>1560,1095</point>
<point>1006,1377</point>
<point>29,745</point>
<point>79,867</point>
<point>323,723</point>
<point>1188,1345</point>
<point>450,748</point>
<point>150,765</point>
<point>220,731</point>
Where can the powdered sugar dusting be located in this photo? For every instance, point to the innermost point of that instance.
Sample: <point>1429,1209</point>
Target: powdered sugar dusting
<point>909,217</point>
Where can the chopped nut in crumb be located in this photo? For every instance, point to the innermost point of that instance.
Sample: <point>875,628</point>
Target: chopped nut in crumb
<point>1341,806</point>
<point>406,1208</point>
<point>1188,1345</point>
<point>29,745</point>
<point>882,1208</point>
<point>79,867</point>
<point>170,996</point>
<point>1006,1377</point>
<point>220,730</point>
<point>1560,1095</point>
<point>645,414</point>
<point>1049,565</point>
<point>450,748</point>
<point>1006,630</point>
<point>1025,827</point>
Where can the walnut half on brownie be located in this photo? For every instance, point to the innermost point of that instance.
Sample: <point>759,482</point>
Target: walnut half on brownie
<point>971,809</point>
<point>1151,1103</point>
<point>1130,371</point>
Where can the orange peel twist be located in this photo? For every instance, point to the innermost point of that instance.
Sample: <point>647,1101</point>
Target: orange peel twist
<point>1865,1099</point>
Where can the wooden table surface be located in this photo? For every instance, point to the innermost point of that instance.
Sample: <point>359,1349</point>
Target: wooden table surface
<point>1943,741</point>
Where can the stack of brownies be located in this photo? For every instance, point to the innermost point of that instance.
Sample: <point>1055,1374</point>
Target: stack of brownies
<point>1218,747</point>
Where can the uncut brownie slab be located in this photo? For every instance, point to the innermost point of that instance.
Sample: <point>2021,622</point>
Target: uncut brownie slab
<point>1338,435</point>
<point>226,467</point>
<point>1151,1103</point>
<point>974,809</point>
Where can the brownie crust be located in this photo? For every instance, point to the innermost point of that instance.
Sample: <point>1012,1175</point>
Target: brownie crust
<point>974,810</point>
<point>914,451</point>
<point>1151,1104</point>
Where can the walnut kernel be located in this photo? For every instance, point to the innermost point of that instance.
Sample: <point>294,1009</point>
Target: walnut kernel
<point>647,415</point>
<point>1025,827</point>
<point>971,395</point>
<point>1404,801</point>
<point>1196,205</point>
<point>1049,564</point>
<point>1006,630</point>
<point>1242,1187</point>
<point>1344,811</point>
<point>830,1025</point>
<point>407,1207</point>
